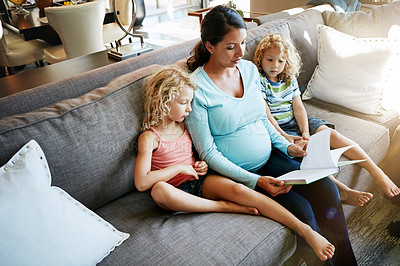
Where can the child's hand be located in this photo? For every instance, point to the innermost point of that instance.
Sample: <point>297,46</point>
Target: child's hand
<point>187,169</point>
<point>200,167</point>
<point>302,143</point>
<point>296,151</point>
<point>306,136</point>
<point>292,138</point>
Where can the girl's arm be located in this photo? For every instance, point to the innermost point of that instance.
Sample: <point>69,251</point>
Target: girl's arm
<point>144,177</point>
<point>300,114</point>
<point>290,138</point>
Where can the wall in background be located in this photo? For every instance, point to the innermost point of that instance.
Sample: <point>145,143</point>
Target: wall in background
<point>271,6</point>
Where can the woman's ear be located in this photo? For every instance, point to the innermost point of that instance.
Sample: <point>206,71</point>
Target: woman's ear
<point>209,47</point>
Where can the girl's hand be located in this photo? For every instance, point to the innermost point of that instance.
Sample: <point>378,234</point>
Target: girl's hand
<point>306,136</point>
<point>200,167</point>
<point>272,185</point>
<point>302,143</point>
<point>292,138</point>
<point>187,169</point>
<point>296,151</point>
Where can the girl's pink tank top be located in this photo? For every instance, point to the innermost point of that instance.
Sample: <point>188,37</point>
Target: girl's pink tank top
<point>178,151</point>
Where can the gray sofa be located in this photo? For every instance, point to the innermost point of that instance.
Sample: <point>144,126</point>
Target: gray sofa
<point>88,126</point>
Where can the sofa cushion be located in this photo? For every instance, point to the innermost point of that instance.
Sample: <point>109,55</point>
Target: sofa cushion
<point>372,63</point>
<point>255,35</point>
<point>303,32</point>
<point>388,118</point>
<point>43,225</point>
<point>89,141</point>
<point>373,24</point>
<point>159,237</point>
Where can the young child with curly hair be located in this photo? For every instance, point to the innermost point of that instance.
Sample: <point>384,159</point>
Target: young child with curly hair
<point>279,63</point>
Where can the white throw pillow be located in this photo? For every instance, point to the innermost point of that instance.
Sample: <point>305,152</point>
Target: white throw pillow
<point>43,225</point>
<point>353,72</point>
<point>373,24</point>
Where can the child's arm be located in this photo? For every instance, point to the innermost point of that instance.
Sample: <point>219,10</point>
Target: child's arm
<point>290,138</point>
<point>300,114</point>
<point>144,177</point>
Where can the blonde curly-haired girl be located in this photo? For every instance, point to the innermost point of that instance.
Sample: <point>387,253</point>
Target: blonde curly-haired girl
<point>279,64</point>
<point>165,162</point>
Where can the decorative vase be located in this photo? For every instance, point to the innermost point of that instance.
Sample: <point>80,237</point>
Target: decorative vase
<point>41,4</point>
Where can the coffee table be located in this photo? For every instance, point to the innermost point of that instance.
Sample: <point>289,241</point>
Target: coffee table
<point>42,75</point>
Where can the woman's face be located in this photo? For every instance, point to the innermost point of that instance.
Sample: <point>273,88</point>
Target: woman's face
<point>230,50</point>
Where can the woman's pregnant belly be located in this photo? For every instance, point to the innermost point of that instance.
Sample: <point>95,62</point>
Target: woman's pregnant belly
<point>248,147</point>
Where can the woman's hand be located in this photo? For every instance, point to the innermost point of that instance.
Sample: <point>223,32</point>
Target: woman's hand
<point>200,167</point>
<point>296,150</point>
<point>272,185</point>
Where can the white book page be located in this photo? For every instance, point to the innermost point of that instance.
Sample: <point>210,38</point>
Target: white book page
<point>336,153</point>
<point>308,175</point>
<point>319,152</point>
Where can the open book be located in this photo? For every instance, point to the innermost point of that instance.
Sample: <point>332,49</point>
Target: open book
<point>319,162</point>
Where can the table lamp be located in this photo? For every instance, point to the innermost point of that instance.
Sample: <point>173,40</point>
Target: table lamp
<point>19,7</point>
<point>121,52</point>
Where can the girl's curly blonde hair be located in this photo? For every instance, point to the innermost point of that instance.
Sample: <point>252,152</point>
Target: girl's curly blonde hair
<point>293,60</point>
<point>161,89</point>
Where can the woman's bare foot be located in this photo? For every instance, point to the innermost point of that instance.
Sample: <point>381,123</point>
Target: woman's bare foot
<point>354,197</point>
<point>321,246</point>
<point>237,208</point>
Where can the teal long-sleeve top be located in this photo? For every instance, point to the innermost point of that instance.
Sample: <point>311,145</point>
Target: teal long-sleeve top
<point>233,135</point>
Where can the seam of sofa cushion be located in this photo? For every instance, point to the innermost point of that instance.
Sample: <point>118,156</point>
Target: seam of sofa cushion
<point>61,114</point>
<point>264,241</point>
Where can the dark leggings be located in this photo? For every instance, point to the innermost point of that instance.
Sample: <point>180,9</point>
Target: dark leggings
<point>317,204</point>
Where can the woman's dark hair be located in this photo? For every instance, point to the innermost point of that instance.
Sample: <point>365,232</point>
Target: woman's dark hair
<point>216,24</point>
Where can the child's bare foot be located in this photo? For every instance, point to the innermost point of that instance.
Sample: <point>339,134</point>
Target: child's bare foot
<point>390,188</point>
<point>237,208</point>
<point>321,246</point>
<point>354,197</point>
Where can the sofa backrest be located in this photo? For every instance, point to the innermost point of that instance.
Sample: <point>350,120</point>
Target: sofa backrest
<point>304,35</point>
<point>76,86</point>
<point>89,142</point>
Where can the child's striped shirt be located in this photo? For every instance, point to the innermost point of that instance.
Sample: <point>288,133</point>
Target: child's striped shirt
<point>279,96</point>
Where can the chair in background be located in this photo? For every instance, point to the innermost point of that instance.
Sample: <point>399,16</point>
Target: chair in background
<point>15,51</point>
<point>80,28</point>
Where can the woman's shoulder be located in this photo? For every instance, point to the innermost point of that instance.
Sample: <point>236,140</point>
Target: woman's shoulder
<point>247,67</point>
<point>247,63</point>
